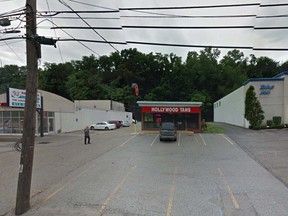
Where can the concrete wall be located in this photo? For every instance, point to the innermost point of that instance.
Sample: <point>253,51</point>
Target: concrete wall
<point>100,104</point>
<point>230,109</point>
<point>56,103</point>
<point>67,122</point>
<point>272,102</point>
<point>70,116</point>
<point>273,98</point>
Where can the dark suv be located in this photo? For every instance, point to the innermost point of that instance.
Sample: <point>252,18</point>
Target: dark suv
<point>117,123</point>
<point>168,131</point>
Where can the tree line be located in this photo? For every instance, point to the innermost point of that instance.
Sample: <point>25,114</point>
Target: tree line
<point>201,77</point>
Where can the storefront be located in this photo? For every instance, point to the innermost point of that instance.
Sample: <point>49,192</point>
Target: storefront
<point>272,93</point>
<point>185,115</point>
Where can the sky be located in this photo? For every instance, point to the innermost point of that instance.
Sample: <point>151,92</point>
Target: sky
<point>158,26</point>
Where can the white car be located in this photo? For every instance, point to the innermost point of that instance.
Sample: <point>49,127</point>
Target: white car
<point>102,126</point>
<point>125,123</point>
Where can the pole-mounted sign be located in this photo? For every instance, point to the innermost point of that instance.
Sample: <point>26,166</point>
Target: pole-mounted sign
<point>135,89</point>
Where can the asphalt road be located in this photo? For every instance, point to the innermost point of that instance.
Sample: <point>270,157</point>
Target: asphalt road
<point>241,172</point>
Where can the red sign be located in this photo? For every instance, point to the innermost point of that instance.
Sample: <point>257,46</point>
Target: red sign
<point>170,109</point>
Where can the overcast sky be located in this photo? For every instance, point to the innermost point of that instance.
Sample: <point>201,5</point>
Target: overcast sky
<point>184,21</point>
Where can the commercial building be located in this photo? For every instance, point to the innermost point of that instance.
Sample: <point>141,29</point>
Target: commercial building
<point>185,115</point>
<point>60,114</point>
<point>272,94</point>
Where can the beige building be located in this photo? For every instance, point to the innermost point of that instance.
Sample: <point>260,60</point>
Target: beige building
<point>272,94</point>
<point>61,114</point>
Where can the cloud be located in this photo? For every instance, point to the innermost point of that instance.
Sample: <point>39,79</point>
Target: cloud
<point>73,50</point>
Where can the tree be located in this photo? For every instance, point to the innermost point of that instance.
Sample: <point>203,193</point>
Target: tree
<point>54,77</point>
<point>253,110</point>
<point>262,67</point>
<point>12,76</point>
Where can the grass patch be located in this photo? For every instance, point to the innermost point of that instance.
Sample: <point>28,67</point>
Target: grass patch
<point>212,128</point>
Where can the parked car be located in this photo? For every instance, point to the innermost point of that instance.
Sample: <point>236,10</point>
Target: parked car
<point>117,123</point>
<point>168,131</point>
<point>103,126</point>
<point>125,123</point>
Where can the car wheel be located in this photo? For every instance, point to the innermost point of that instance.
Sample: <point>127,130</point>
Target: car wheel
<point>106,128</point>
<point>92,128</point>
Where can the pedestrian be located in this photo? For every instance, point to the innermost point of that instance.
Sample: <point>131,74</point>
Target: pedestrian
<point>86,136</point>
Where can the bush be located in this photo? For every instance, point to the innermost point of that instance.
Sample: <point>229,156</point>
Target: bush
<point>204,124</point>
<point>269,123</point>
<point>277,120</point>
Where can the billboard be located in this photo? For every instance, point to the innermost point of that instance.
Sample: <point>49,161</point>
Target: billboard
<point>16,98</point>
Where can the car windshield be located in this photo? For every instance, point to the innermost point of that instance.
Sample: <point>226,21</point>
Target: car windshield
<point>168,126</point>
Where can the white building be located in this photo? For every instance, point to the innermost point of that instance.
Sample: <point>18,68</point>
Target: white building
<point>272,94</point>
<point>61,114</point>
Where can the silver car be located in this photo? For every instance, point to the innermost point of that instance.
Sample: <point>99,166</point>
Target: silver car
<point>168,131</point>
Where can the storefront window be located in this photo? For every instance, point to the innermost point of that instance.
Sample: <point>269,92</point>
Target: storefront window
<point>12,122</point>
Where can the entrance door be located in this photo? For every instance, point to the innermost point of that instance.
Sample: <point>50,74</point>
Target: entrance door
<point>51,125</point>
<point>180,122</point>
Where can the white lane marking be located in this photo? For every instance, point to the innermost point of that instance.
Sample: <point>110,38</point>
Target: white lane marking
<point>179,139</point>
<point>203,140</point>
<point>226,138</point>
<point>154,140</point>
<point>127,141</point>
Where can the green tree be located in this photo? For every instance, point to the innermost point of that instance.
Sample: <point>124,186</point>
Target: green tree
<point>253,110</point>
<point>232,73</point>
<point>53,78</point>
<point>262,67</point>
<point>12,76</point>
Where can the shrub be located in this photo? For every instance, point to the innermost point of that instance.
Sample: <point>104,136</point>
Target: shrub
<point>204,124</point>
<point>269,123</point>
<point>253,110</point>
<point>277,120</point>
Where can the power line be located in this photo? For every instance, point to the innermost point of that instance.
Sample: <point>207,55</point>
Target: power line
<point>188,27</point>
<point>180,45</point>
<point>74,38</point>
<point>204,46</point>
<point>91,27</point>
<point>92,18</point>
<point>173,27</point>
<point>62,2</point>
<point>191,7</point>
<point>55,33</point>
<point>92,41</point>
<point>92,5</point>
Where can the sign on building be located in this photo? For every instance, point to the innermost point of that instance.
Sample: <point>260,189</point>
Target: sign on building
<point>16,98</point>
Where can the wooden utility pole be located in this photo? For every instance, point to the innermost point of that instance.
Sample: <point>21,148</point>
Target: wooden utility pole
<point>28,142</point>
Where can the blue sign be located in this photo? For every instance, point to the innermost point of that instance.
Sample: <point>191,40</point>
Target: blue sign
<point>266,89</point>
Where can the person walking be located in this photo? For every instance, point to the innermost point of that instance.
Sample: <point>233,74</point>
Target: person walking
<point>86,136</point>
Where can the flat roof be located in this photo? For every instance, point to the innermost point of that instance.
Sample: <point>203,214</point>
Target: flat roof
<point>168,103</point>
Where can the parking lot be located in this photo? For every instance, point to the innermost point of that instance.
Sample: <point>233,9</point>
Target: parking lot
<point>128,173</point>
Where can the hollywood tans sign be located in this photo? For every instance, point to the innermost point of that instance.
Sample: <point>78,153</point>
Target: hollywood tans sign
<point>170,109</point>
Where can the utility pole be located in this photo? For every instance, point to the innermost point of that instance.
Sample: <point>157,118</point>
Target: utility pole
<point>28,137</point>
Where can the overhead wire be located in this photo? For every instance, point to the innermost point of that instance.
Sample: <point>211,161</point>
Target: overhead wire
<point>92,5</point>
<point>12,50</point>
<point>59,48</point>
<point>73,38</point>
<point>62,2</point>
